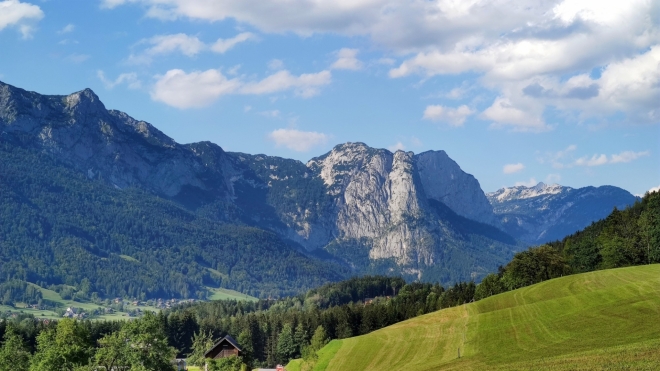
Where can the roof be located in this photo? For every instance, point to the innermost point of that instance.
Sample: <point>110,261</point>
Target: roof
<point>227,338</point>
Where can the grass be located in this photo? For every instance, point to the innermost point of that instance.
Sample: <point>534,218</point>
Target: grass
<point>605,320</point>
<point>218,294</point>
<point>226,294</point>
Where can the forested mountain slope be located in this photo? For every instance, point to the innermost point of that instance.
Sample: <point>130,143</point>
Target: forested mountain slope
<point>98,191</point>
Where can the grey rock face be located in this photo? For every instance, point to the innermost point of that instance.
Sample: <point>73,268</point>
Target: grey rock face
<point>353,198</point>
<point>443,180</point>
<point>544,213</point>
<point>108,145</point>
<point>377,195</point>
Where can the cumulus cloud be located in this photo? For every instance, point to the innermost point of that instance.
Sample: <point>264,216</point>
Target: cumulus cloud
<point>296,140</point>
<point>66,29</point>
<point>222,45</point>
<point>557,159</point>
<point>398,146</point>
<point>23,16</point>
<point>530,183</point>
<point>553,178</point>
<point>275,64</point>
<point>512,168</point>
<point>192,90</point>
<point>130,79</point>
<point>196,89</point>
<point>306,85</point>
<point>78,58</point>
<point>347,60</point>
<point>537,52</point>
<point>185,44</point>
<point>452,116</point>
<point>654,189</point>
<point>602,159</point>
<point>503,113</point>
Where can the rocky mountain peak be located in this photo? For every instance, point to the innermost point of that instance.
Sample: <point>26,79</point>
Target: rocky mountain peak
<point>523,192</point>
<point>443,180</point>
<point>86,101</point>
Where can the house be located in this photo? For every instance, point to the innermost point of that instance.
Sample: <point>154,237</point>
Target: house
<point>226,347</point>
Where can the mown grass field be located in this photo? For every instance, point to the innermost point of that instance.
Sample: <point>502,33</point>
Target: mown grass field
<point>605,320</point>
<point>226,294</point>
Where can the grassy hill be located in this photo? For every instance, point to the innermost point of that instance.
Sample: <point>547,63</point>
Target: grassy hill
<point>604,320</point>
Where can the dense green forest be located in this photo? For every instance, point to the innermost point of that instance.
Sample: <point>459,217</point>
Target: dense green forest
<point>275,331</point>
<point>625,238</point>
<point>59,226</point>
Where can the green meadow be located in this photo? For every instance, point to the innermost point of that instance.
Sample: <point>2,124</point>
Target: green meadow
<point>604,320</point>
<point>217,294</point>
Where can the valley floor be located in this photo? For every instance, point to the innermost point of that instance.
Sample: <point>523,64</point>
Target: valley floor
<point>605,320</point>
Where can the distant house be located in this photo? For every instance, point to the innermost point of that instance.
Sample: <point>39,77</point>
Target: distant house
<point>226,347</point>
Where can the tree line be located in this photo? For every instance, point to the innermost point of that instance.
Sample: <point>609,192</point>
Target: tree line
<point>275,331</point>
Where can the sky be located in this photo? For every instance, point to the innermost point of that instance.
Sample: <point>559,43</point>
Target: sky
<point>515,91</point>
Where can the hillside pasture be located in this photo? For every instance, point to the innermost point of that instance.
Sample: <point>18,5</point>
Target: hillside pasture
<point>604,320</point>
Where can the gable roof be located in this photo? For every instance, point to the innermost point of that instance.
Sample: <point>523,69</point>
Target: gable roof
<point>228,339</point>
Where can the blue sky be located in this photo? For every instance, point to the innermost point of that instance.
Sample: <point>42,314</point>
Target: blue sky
<point>517,92</point>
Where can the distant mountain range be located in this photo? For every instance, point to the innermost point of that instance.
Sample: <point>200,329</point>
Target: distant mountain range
<point>98,192</point>
<point>545,213</point>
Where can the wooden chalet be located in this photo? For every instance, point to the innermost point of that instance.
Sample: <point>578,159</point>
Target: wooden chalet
<point>226,347</point>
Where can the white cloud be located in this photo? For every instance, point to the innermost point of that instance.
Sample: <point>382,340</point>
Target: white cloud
<point>452,116</point>
<point>270,114</point>
<point>305,85</point>
<point>347,60</point>
<point>556,159</point>
<point>191,90</point>
<point>553,178</point>
<point>504,114</point>
<point>512,168</point>
<point>654,189</point>
<point>398,146</point>
<point>130,79</point>
<point>509,44</point>
<point>602,159</point>
<point>275,64</point>
<point>595,160</point>
<point>222,45</point>
<point>185,44</point>
<point>296,140</point>
<point>68,28</point>
<point>23,16</point>
<point>167,44</point>
<point>200,88</point>
<point>530,183</point>
<point>78,58</point>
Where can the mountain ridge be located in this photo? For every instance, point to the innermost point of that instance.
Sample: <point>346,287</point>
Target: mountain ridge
<point>544,213</point>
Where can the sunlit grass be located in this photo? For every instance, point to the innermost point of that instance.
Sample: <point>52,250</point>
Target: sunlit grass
<point>606,320</point>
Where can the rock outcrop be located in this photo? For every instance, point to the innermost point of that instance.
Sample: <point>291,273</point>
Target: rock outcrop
<point>359,204</point>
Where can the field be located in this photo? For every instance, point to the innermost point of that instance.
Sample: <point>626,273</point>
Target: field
<point>218,294</point>
<point>226,294</point>
<point>605,320</point>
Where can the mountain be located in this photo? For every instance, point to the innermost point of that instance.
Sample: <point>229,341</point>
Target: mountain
<point>544,213</point>
<point>99,192</point>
